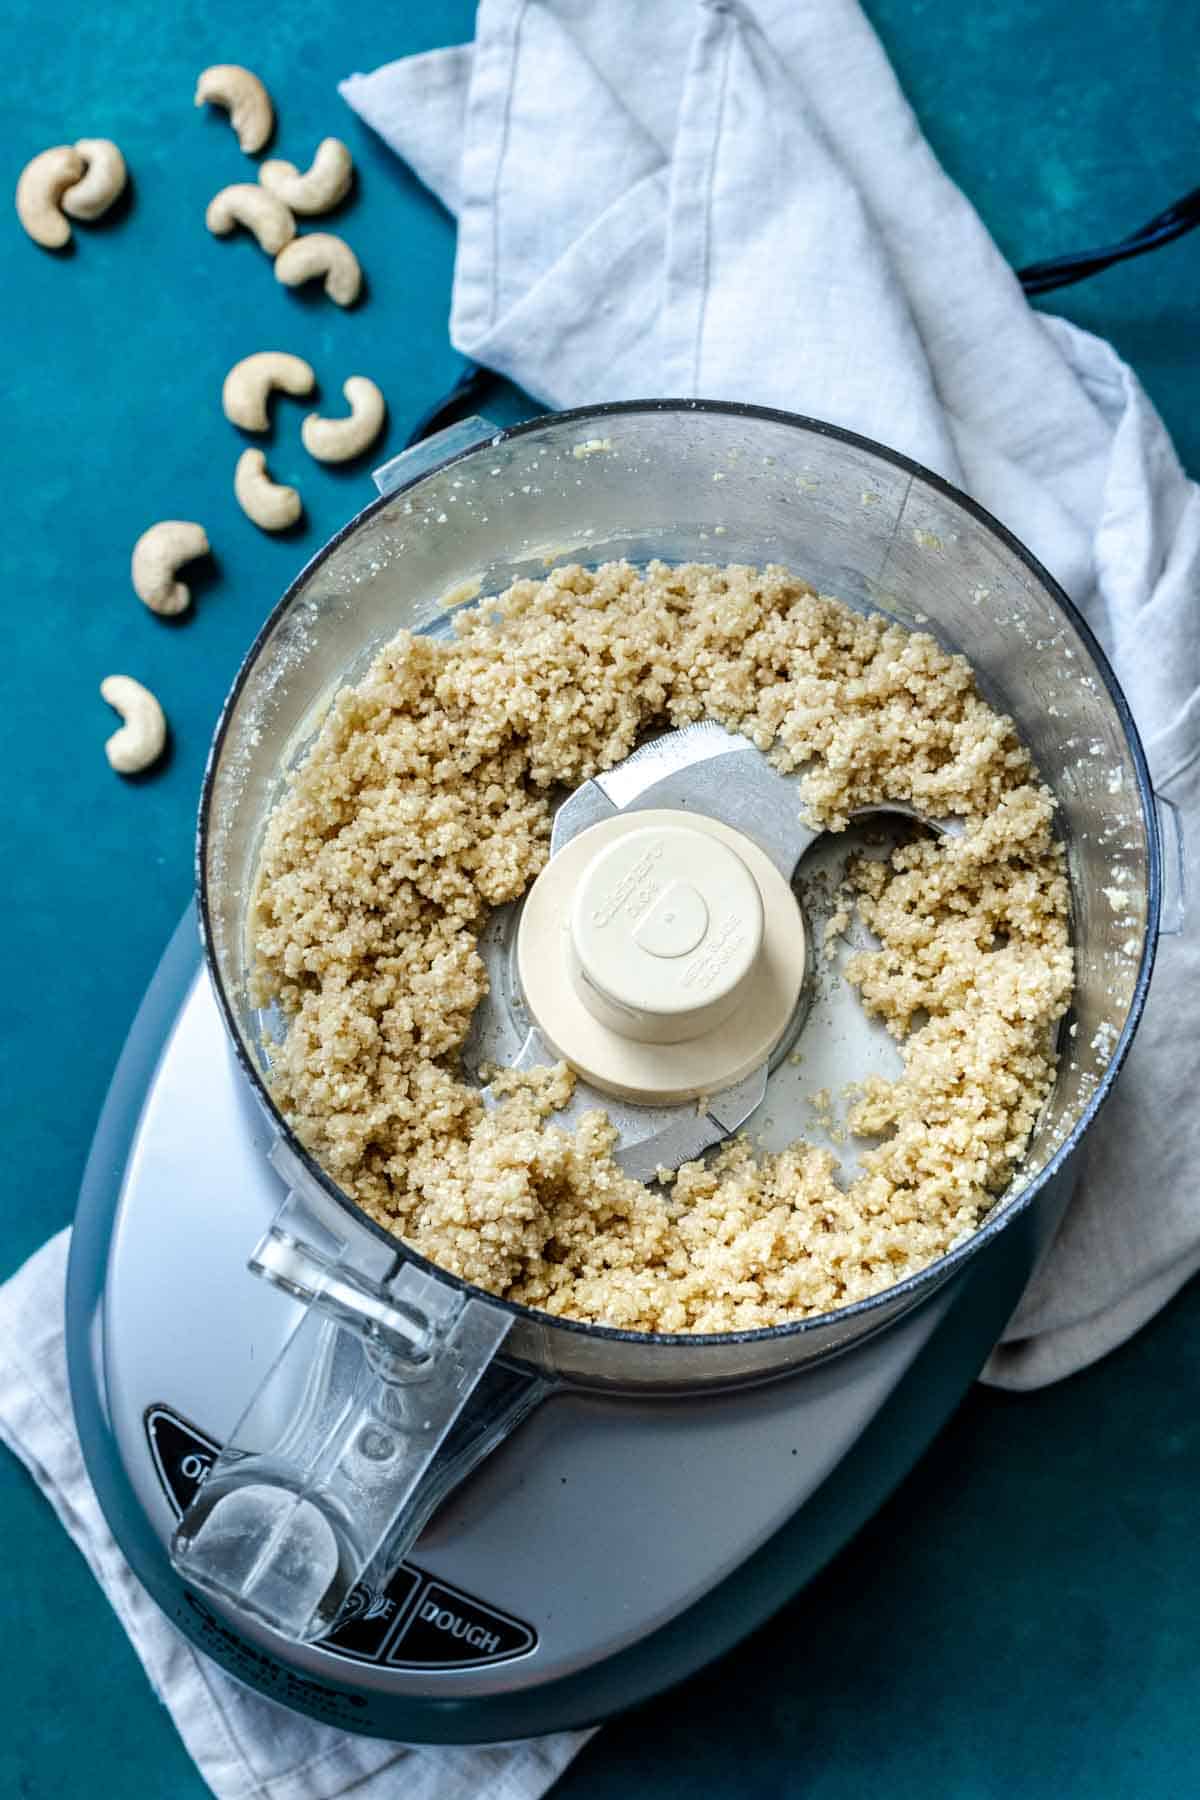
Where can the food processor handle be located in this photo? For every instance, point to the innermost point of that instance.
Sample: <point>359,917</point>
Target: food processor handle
<point>1173,907</point>
<point>360,1428</point>
<point>431,452</point>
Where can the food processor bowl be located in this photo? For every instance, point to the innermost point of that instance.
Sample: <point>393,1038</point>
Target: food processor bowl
<point>464,516</point>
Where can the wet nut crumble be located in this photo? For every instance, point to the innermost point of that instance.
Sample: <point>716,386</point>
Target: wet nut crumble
<point>425,801</point>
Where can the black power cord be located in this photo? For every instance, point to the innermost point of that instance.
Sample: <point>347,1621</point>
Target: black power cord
<point>1164,228</point>
<point>1036,278</point>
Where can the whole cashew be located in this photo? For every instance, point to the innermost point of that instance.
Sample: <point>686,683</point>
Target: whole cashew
<point>268,503</point>
<point>158,553</point>
<point>140,740</point>
<point>324,183</point>
<point>245,203</point>
<point>337,440</point>
<point>104,181</point>
<point>321,253</point>
<point>40,188</point>
<point>244,98</point>
<point>249,383</point>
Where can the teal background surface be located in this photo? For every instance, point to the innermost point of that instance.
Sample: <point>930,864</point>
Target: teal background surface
<point>1021,1619</point>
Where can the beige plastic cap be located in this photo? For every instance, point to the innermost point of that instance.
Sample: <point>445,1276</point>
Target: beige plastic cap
<point>662,954</point>
<point>666,927</point>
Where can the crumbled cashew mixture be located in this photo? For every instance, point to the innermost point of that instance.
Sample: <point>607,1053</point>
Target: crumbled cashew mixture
<point>426,800</point>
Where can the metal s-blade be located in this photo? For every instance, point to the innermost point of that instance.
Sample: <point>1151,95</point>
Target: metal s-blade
<point>650,1137</point>
<point>692,1132</point>
<point>666,755</point>
<point>704,768</point>
<point>586,806</point>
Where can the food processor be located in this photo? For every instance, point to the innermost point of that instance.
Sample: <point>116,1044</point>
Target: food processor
<point>397,1502</point>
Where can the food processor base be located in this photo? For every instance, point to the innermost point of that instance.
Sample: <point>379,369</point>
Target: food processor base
<point>612,1546</point>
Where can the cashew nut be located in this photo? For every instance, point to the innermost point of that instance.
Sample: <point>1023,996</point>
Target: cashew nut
<point>244,98</point>
<point>321,186</point>
<point>158,553</point>
<point>320,253</point>
<point>337,440</point>
<point>41,186</point>
<point>140,740</point>
<point>249,383</point>
<point>245,203</point>
<point>268,503</point>
<point>104,181</point>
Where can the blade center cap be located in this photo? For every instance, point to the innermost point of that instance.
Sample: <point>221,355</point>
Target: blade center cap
<point>661,953</point>
<point>666,928</point>
<point>674,923</point>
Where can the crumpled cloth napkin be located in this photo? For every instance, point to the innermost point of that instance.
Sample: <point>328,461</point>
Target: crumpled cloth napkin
<point>736,202</point>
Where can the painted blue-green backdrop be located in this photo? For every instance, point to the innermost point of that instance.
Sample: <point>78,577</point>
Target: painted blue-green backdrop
<point>1022,1619</point>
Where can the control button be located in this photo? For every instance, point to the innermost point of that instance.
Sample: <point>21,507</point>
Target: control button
<point>182,1455</point>
<point>367,1617</point>
<point>446,1629</point>
<point>450,1630</point>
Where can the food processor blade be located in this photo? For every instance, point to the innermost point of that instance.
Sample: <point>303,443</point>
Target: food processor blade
<point>718,774</point>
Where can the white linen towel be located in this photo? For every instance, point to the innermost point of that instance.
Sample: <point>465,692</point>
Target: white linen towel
<point>736,202</point>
